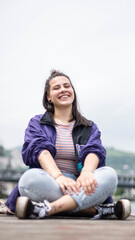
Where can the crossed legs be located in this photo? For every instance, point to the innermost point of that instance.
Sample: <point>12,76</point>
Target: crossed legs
<point>39,185</point>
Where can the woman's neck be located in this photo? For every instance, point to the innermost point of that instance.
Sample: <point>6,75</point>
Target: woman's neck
<point>62,116</point>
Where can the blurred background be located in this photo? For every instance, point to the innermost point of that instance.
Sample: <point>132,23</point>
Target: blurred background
<point>91,41</point>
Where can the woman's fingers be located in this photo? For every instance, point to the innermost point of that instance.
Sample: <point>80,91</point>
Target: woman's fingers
<point>63,188</point>
<point>87,187</point>
<point>72,186</point>
<point>88,183</point>
<point>68,184</point>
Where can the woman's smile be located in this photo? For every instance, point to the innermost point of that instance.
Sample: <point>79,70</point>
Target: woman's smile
<point>64,96</point>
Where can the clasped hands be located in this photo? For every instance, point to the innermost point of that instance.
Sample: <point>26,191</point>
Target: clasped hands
<point>86,180</point>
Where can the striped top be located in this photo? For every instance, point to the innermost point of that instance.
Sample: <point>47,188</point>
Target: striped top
<point>65,156</point>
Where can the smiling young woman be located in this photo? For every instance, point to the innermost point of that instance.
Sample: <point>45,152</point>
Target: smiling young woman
<point>67,161</point>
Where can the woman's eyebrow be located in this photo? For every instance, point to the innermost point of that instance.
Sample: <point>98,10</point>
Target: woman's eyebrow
<point>57,85</point>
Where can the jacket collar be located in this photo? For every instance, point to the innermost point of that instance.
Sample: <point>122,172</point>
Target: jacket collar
<point>47,119</point>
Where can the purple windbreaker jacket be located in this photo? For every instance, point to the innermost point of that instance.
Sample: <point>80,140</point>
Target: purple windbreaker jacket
<point>41,135</point>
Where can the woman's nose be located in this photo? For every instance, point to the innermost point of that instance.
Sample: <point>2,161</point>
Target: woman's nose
<point>62,89</point>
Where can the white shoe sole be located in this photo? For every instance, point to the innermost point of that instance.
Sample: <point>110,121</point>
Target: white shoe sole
<point>21,207</point>
<point>126,208</point>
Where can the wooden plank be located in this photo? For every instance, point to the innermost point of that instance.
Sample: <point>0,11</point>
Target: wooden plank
<point>66,229</point>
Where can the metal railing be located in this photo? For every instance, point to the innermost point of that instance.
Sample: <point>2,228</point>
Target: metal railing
<point>127,181</point>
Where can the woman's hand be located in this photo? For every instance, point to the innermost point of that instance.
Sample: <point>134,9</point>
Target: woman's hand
<point>88,182</point>
<point>69,184</point>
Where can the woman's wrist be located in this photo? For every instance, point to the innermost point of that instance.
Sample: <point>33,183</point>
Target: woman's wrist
<point>58,175</point>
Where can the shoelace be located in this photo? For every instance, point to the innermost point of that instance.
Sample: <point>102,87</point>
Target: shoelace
<point>109,210</point>
<point>42,208</point>
<point>103,211</point>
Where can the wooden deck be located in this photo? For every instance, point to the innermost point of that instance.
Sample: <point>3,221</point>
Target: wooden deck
<point>66,229</point>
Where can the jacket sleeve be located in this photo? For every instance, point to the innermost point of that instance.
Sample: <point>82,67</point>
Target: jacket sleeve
<point>94,145</point>
<point>35,141</point>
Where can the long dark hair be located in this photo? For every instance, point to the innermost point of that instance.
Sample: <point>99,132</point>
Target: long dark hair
<point>50,107</point>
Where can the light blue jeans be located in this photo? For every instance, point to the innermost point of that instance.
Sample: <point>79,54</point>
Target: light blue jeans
<point>38,185</point>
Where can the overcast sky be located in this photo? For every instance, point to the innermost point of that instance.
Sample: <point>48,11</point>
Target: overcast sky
<point>92,41</point>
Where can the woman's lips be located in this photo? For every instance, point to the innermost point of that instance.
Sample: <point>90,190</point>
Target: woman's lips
<point>63,96</point>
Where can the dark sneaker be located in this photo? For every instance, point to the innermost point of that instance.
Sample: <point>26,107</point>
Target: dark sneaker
<point>25,208</point>
<point>120,210</point>
<point>104,211</point>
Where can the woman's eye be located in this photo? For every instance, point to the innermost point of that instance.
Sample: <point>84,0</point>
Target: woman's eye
<point>55,88</point>
<point>67,86</point>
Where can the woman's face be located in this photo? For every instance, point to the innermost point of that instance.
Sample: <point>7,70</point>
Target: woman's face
<point>61,92</point>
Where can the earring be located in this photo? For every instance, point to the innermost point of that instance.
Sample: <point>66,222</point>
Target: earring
<point>50,101</point>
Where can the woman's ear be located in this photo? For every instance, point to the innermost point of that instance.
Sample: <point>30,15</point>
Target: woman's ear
<point>49,99</point>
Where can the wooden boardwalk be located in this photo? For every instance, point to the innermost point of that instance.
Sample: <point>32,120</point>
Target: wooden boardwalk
<point>66,229</point>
